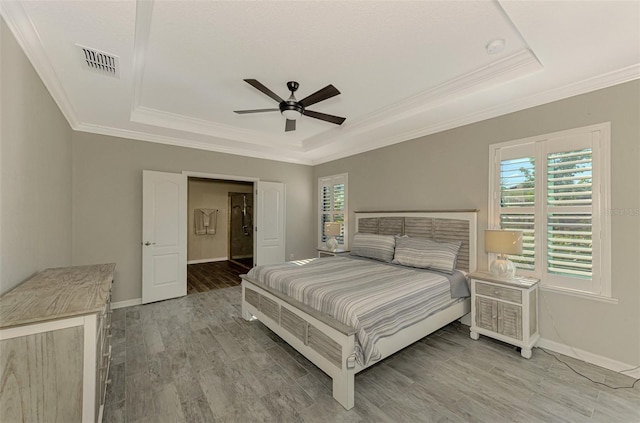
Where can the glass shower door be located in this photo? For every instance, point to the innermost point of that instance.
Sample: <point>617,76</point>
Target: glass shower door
<point>241,228</point>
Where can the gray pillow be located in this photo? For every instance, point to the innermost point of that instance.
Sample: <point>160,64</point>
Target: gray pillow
<point>427,254</point>
<point>377,247</point>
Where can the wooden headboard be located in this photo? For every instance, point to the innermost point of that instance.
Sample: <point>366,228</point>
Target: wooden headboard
<point>441,226</point>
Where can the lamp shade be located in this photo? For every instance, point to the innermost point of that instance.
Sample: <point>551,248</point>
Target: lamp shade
<point>332,228</point>
<point>503,242</point>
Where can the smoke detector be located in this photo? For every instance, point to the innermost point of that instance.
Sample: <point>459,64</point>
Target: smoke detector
<point>100,61</point>
<point>495,46</point>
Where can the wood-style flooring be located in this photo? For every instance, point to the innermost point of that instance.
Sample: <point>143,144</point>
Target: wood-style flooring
<point>203,277</point>
<point>194,359</point>
<point>246,262</point>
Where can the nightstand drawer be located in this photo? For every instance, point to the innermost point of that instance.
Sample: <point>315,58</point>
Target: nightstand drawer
<point>499,292</point>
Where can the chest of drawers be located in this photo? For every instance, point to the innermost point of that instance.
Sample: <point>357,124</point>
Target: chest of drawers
<point>55,345</point>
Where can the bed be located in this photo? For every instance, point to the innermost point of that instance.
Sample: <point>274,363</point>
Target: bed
<point>322,326</point>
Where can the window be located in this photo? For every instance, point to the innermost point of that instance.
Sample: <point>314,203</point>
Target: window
<point>555,189</point>
<point>332,192</point>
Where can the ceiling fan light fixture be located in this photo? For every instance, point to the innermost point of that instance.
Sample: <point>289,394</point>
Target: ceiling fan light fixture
<point>293,109</point>
<point>291,114</point>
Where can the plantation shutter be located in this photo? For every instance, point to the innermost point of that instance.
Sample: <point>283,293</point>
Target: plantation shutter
<point>517,199</point>
<point>569,212</point>
<point>333,205</point>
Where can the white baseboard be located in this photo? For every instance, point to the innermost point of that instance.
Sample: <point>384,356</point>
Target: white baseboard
<point>592,358</point>
<point>126,303</point>
<point>209,260</point>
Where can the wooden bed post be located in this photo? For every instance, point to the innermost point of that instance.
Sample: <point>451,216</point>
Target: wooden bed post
<point>246,315</point>
<point>343,381</point>
<point>344,388</point>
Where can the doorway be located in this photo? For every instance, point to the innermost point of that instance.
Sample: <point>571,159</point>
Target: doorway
<point>220,235</point>
<point>167,221</point>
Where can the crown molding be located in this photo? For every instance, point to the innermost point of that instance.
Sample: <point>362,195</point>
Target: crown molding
<point>608,79</point>
<point>164,119</point>
<point>281,155</point>
<point>519,64</point>
<point>29,40</point>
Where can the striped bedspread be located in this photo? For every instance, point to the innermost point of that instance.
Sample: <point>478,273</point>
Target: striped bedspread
<point>376,299</point>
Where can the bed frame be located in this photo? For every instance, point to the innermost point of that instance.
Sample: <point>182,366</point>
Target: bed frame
<point>328,343</point>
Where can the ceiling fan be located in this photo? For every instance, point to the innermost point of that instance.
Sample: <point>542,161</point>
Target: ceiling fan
<point>292,109</point>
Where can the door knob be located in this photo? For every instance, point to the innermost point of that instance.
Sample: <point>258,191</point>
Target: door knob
<point>149,243</point>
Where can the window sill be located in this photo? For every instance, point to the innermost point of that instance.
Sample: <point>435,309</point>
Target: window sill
<point>579,294</point>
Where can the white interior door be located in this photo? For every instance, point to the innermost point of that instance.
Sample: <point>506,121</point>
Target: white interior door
<point>270,233</point>
<point>164,235</point>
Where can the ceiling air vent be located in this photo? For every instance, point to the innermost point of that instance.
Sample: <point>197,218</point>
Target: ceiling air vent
<point>101,62</point>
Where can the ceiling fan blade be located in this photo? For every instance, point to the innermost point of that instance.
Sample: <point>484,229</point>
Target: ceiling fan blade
<point>323,116</point>
<point>290,126</point>
<point>242,112</point>
<point>257,85</point>
<point>320,95</point>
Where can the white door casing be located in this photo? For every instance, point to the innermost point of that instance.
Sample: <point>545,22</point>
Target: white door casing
<point>270,229</point>
<point>164,235</point>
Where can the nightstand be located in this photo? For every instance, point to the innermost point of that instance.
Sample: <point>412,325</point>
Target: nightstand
<point>505,309</point>
<point>328,253</point>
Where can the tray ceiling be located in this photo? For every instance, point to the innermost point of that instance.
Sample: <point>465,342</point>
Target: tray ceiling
<point>405,69</point>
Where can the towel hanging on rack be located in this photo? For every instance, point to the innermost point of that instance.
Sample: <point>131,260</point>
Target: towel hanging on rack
<point>205,221</point>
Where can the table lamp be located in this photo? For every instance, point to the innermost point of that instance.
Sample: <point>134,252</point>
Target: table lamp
<point>332,230</point>
<point>503,242</point>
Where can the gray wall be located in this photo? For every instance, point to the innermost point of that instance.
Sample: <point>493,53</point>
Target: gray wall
<point>449,170</point>
<point>107,199</point>
<point>35,171</point>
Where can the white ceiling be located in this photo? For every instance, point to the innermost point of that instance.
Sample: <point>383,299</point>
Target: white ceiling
<point>405,69</point>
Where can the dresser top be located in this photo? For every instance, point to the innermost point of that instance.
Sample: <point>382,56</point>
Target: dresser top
<point>57,293</point>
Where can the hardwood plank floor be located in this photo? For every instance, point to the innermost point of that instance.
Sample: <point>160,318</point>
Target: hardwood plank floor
<point>194,359</point>
<point>203,277</point>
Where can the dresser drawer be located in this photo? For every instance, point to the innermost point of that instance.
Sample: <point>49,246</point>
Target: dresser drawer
<point>499,292</point>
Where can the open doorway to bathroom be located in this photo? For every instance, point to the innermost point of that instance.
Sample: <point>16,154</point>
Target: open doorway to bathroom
<point>220,233</point>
